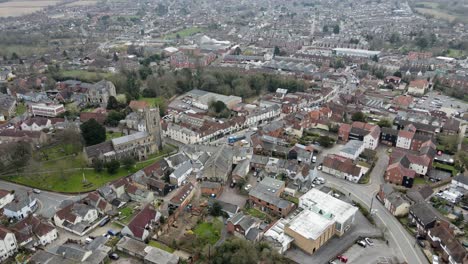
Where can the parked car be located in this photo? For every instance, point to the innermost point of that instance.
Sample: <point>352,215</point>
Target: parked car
<point>369,241</point>
<point>435,259</point>
<point>114,256</point>
<point>36,191</point>
<point>362,243</point>
<point>421,243</point>
<point>247,187</point>
<point>314,159</point>
<point>319,167</point>
<point>104,221</point>
<point>88,240</point>
<point>112,232</point>
<point>232,184</point>
<point>342,258</point>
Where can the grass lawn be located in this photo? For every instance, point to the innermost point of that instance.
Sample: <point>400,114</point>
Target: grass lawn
<point>446,167</point>
<point>209,232</point>
<point>111,135</point>
<point>126,214</point>
<point>256,213</point>
<point>292,199</point>
<point>66,175</point>
<point>153,101</point>
<point>85,76</point>
<point>156,244</point>
<point>184,32</point>
<point>419,180</point>
<point>20,109</point>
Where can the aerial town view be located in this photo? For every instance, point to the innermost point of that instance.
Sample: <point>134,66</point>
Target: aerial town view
<point>234,131</point>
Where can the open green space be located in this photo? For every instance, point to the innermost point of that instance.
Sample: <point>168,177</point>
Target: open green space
<point>65,173</point>
<point>111,135</point>
<point>85,76</point>
<point>20,109</point>
<point>256,213</point>
<point>153,101</point>
<point>159,245</point>
<point>209,232</point>
<point>126,214</point>
<point>184,32</point>
<point>419,180</point>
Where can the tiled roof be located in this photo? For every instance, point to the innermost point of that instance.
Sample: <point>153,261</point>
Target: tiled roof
<point>142,220</point>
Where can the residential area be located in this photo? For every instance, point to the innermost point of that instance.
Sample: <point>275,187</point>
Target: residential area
<point>171,132</point>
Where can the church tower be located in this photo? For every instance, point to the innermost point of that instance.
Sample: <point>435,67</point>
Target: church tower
<point>153,126</point>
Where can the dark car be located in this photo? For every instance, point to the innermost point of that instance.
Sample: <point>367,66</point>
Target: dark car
<point>114,256</point>
<point>421,243</point>
<point>104,221</point>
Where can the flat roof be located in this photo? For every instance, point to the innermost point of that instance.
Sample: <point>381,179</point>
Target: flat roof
<point>310,224</point>
<point>327,205</point>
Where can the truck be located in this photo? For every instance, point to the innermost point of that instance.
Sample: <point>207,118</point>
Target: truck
<point>234,139</point>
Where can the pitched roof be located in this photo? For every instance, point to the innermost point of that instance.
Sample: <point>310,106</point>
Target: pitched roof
<point>341,164</point>
<point>138,105</point>
<point>422,211</point>
<point>142,220</point>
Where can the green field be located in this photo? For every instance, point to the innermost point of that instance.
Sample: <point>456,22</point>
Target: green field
<point>85,76</point>
<point>209,232</point>
<point>184,32</point>
<point>153,101</point>
<point>126,214</point>
<point>156,244</point>
<point>64,173</point>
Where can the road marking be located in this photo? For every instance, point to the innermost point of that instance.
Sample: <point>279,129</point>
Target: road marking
<point>391,233</point>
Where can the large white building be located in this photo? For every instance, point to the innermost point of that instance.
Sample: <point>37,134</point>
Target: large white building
<point>201,99</point>
<point>48,110</point>
<point>355,52</point>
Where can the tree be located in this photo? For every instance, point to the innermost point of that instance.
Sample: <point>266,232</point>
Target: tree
<point>114,117</point>
<point>336,29</point>
<point>375,58</point>
<point>276,51</point>
<point>216,209</point>
<point>397,74</point>
<point>14,56</point>
<point>325,29</point>
<point>237,51</point>
<point>325,141</point>
<point>93,133</point>
<point>144,72</point>
<point>113,166</point>
<point>422,42</point>
<point>358,116</point>
<point>98,165</point>
<point>128,163</point>
<point>384,123</point>
<point>112,103</point>
<point>115,57</point>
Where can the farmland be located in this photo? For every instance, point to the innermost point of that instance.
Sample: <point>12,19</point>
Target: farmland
<point>16,8</point>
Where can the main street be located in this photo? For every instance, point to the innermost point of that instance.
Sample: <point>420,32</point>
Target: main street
<point>365,194</point>
<point>48,201</point>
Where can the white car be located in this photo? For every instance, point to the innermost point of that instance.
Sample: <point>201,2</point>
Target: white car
<point>36,191</point>
<point>369,242</point>
<point>314,159</point>
<point>247,187</point>
<point>435,259</point>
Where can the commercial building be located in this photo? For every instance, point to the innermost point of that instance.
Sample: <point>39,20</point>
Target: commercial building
<point>201,99</point>
<point>266,196</point>
<point>48,110</point>
<point>355,53</point>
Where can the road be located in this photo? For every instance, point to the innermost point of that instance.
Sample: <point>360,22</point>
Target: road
<point>398,237</point>
<point>48,201</point>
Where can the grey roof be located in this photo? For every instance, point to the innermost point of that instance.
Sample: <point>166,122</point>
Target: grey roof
<point>461,178</point>
<point>269,198</point>
<point>159,256</point>
<point>177,159</point>
<point>219,164</point>
<point>396,199</point>
<point>44,257</point>
<point>252,234</point>
<point>269,185</point>
<point>129,138</point>
<point>422,211</point>
<point>352,146</point>
<point>228,207</point>
<point>21,201</point>
<point>182,169</point>
<point>98,149</point>
<point>387,189</point>
<point>241,167</point>
<point>257,159</point>
<point>71,251</point>
<point>210,185</point>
